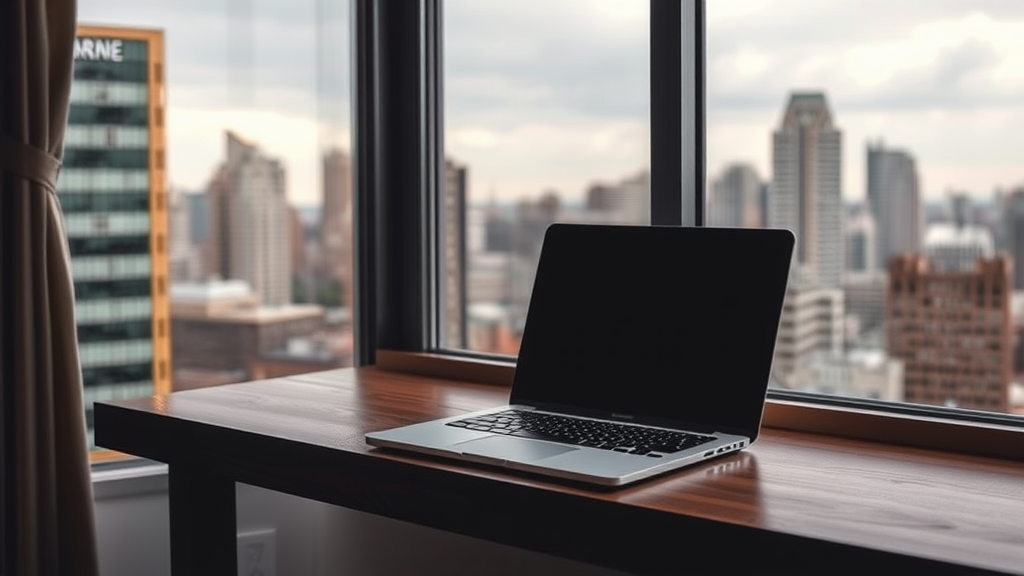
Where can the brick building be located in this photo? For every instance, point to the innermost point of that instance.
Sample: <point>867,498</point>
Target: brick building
<point>952,329</point>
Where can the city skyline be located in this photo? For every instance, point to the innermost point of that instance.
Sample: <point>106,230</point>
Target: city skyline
<point>941,79</point>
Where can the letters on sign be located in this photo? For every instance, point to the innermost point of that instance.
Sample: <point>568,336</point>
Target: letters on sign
<point>103,49</point>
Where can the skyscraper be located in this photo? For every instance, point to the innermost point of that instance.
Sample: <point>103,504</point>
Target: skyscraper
<point>861,240</point>
<point>250,230</point>
<point>811,326</point>
<point>894,201</point>
<point>627,201</point>
<point>455,254</point>
<point>112,190</point>
<point>806,188</point>
<point>736,198</point>
<point>336,222</point>
<point>1013,229</point>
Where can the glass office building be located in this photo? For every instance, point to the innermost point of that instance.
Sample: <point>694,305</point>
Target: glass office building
<point>112,190</point>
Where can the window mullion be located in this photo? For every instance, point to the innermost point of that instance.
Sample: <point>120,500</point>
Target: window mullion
<point>677,113</point>
<point>396,173</point>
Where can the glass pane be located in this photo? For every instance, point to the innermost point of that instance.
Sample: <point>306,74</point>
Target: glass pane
<point>886,136</point>
<point>206,189</point>
<point>546,119</point>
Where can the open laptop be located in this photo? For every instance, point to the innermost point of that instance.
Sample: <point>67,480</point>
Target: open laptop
<point>645,349</point>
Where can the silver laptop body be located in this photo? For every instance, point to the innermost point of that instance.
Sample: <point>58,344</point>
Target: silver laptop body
<point>667,328</point>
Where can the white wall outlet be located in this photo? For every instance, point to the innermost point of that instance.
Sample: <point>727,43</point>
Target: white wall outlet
<point>257,553</point>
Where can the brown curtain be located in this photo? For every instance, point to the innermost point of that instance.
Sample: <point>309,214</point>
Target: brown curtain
<point>47,506</point>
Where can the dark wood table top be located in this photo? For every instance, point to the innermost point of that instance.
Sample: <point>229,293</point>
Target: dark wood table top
<point>791,501</point>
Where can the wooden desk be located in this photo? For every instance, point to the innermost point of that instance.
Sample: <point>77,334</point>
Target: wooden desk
<point>792,503</point>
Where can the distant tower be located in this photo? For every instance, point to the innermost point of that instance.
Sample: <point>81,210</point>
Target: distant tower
<point>454,238</point>
<point>806,189</point>
<point>1013,226</point>
<point>625,202</point>
<point>250,228</point>
<point>336,221</point>
<point>811,326</point>
<point>894,201</point>
<point>861,239</point>
<point>736,198</point>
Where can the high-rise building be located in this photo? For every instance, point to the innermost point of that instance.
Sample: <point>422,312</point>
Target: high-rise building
<point>736,198</point>
<point>336,222</point>
<point>297,243</point>
<point>112,189</point>
<point>951,326</point>
<point>894,201</point>
<point>811,326</point>
<point>250,228</point>
<point>454,283</point>
<point>864,305</point>
<point>806,188</point>
<point>627,201</point>
<point>184,252</point>
<point>861,239</point>
<point>1013,231</point>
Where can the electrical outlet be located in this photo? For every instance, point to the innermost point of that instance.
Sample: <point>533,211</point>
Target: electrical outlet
<point>257,553</point>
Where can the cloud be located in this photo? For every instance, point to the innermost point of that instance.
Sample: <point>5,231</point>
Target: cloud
<point>961,59</point>
<point>533,57</point>
<point>549,85</point>
<point>532,157</point>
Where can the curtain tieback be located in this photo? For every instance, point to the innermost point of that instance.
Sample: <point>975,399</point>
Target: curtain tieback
<point>29,162</point>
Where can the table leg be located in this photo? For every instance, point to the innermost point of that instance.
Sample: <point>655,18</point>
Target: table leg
<point>203,531</point>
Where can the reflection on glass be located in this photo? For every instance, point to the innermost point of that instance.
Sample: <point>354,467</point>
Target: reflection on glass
<point>882,139</point>
<point>206,189</point>
<point>546,119</point>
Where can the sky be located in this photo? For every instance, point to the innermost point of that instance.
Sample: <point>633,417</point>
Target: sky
<point>553,94</point>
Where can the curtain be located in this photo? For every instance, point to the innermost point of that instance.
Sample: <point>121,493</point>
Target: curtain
<point>47,505</point>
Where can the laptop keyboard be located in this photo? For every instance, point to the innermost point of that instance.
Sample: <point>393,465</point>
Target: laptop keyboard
<point>640,440</point>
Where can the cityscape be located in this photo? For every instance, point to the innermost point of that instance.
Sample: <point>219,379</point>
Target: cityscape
<point>892,297</point>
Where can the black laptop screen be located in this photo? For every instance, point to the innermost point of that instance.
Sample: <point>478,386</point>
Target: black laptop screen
<point>655,323</point>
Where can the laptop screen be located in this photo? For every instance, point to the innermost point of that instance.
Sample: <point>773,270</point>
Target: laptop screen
<point>655,324</point>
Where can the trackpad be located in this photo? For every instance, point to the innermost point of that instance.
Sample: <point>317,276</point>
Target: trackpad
<point>514,449</point>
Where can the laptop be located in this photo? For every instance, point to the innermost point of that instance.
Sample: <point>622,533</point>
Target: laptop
<point>645,349</point>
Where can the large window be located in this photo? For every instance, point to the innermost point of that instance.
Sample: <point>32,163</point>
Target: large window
<point>207,192</point>
<point>922,333</point>
<point>475,124</point>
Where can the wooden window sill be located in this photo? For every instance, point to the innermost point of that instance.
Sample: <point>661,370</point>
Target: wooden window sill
<point>933,433</point>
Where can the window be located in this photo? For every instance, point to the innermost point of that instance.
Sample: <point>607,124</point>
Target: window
<point>685,129</point>
<point>206,190</point>
<point>280,121</point>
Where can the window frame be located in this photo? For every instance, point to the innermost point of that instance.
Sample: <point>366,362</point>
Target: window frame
<point>398,170</point>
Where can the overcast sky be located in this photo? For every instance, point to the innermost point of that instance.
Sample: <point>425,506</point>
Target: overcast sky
<point>553,94</point>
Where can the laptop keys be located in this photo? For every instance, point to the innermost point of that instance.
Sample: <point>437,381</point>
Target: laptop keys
<point>623,438</point>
